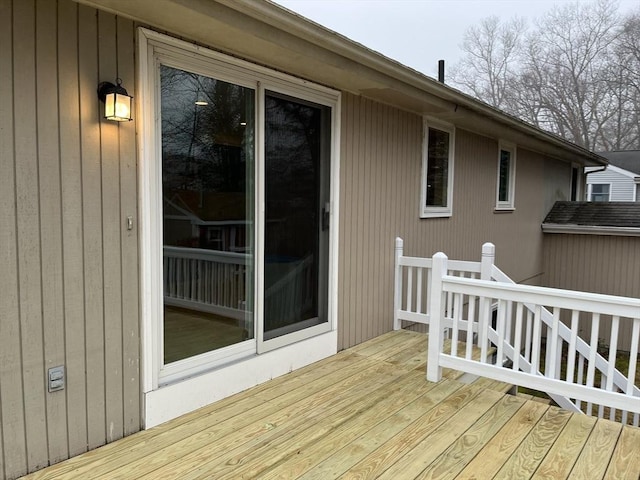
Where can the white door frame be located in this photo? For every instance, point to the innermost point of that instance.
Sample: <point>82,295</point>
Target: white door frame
<point>197,381</point>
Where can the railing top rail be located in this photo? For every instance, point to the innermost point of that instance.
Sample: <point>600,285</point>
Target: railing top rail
<point>549,297</point>
<point>456,265</point>
<point>205,254</point>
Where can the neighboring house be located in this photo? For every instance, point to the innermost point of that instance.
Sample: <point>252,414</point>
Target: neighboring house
<point>620,182</point>
<point>317,150</point>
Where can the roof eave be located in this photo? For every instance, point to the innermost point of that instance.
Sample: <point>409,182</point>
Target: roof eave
<point>285,40</point>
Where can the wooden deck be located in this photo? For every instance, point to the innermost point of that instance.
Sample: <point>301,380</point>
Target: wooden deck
<point>368,412</point>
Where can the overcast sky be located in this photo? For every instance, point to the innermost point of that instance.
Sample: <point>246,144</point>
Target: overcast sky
<point>418,33</point>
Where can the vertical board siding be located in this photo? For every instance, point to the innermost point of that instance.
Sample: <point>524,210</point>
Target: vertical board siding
<point>595,263</point>
<point>13,454</point>
<point>381,166</point>
<point>29,231</point>
<point>71,192</point>
<point>69,266</point>
<point>50,219</point>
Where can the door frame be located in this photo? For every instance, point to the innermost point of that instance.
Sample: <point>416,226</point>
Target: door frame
<point>320,342</point>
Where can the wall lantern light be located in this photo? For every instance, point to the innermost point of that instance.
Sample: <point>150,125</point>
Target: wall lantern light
<point>117,102</point>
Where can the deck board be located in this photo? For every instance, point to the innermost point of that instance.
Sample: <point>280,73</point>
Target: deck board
<point>500,448</point>
<point>368,412</point>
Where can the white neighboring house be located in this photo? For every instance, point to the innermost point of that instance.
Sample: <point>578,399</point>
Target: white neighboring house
<point>620,182</point>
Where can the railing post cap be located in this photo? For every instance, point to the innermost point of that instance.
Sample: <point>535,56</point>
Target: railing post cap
<point>399,242</point>
<point>488,248</point>
<point>440,256</point>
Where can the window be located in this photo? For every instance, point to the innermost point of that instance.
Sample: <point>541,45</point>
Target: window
<point>437,170</point>
<point>505,190</point>
<point>599,192</point>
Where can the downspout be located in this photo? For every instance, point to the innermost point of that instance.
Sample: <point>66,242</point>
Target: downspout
<point>592,171</point>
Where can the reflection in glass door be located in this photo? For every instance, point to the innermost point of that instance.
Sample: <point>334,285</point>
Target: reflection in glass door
<point>208,222</point>
<point>297,142</point>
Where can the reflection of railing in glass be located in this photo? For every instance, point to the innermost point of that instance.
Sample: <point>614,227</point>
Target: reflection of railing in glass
<point>206,280</point>
<point>214,281</point>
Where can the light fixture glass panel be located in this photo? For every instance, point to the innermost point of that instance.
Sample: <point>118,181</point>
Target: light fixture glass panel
<point>117,107</point>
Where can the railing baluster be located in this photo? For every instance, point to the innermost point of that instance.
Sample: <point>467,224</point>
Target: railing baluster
<point>517,344</point>
<point>471,315</point>
<point>535,347</point>
<point>449,305</point>
<point>580,378</point>
<point>528,339</point>
<point>502,312</point>
<point>633,363</point>
<point>419,290</point>
<point>593,349</point>
<point>508,322</point>
<point>572,346</point>
<point>409,306</point>
<point>457,312</point>
<point>484,321</point>
<point>613,353</point>
<point>553,348</point>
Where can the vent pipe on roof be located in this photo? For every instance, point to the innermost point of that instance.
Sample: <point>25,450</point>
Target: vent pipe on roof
<point>441,71</point>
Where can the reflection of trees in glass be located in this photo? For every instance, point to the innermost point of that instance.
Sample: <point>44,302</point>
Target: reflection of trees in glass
<point>437,168</point>
<point>207,160</point>
<point>505,161</point>
<point>293,156</point>
<point>204,147</point>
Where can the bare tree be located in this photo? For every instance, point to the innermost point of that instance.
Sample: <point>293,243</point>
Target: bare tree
<point>492,49</point>
<point>574,74</point>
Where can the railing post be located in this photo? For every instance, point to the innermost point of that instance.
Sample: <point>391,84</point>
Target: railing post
<point>397,286</point>
<point>486,268</point>
<point>487,260</point>
<point>436,317</point>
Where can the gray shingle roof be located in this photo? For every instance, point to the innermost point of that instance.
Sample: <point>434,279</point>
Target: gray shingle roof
<point>597,214</point>
<point>626,159</point>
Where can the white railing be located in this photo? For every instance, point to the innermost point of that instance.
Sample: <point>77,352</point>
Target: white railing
<point>466,306</point>
<point>206,280</point>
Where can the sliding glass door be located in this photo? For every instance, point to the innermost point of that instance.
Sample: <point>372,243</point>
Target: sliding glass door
<point>297,145</point>
<point>208,210</point>
<point>238,197</point>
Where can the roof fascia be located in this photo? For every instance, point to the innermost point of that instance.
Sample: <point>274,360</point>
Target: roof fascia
<point>591,230</point>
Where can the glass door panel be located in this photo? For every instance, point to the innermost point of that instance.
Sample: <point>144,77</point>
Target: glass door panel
<point>296,221</point>
<point>208,222</point>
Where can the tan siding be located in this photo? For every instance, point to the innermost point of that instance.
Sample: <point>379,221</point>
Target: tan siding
<point>380,194</point>
<point>129,242</point>
<point>50,220</point>
<point>28,231</point>
<point>595,263</point>
<point>71,192</point>
<point>69,266</point>
<point>13,453</point>
<point>112,288</point>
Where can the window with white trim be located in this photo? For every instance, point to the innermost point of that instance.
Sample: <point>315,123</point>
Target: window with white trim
<point>506,182</point>
<point>436,193</point>
<point>599,192</point>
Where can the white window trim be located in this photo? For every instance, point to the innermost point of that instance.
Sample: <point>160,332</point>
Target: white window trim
<point>437,212</point>
<point>153,46</point>
<point>590,190</point>
<point>509,204</point>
